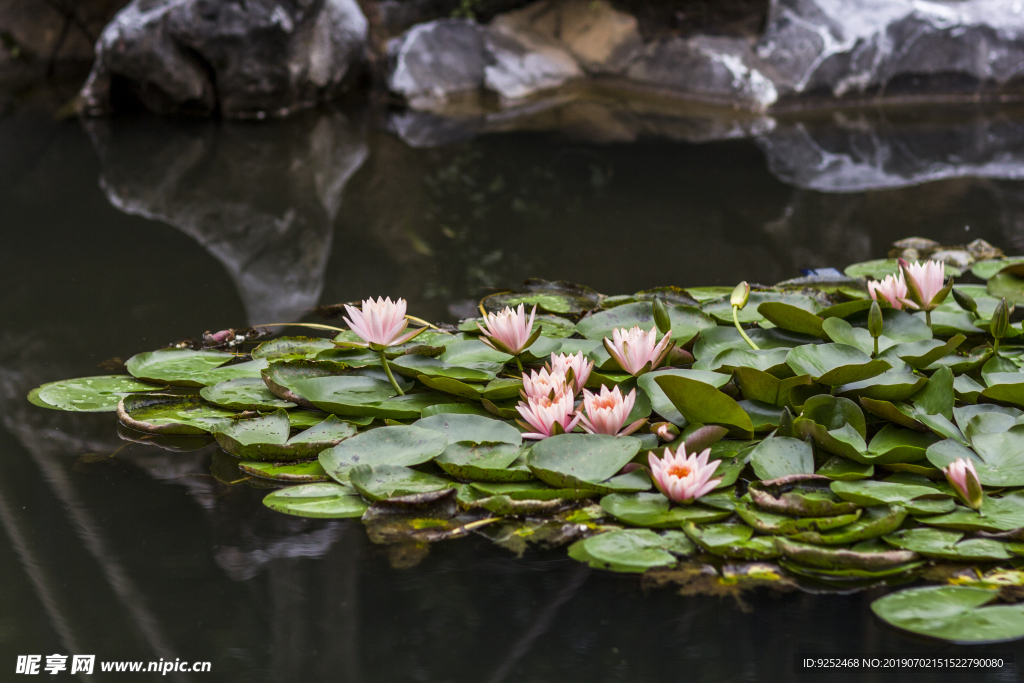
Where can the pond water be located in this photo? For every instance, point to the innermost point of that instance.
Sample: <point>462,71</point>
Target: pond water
<point>121,236</point>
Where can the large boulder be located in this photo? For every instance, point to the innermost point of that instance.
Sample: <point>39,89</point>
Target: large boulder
<point>240,59</point>
<point>842,48</point>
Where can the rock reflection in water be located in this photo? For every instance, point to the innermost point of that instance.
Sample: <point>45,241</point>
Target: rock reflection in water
<point>261,198</point>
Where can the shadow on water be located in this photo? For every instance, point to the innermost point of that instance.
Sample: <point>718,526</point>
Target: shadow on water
<point>124,235</point>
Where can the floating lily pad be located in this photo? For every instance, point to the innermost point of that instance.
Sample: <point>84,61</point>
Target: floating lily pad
<point>836,425</point>
<point>655,510</point>
<point>531,490</point>
<point>957,614</point>
<point>734,541</point>
<point>317,500</point>
<point>292,348</point>
<point>473,353</point>
<point>293,473</point>
<point>780,456</point>
<point>88,394</point>
<point>876,521</point>
<point>947,545</point>
<point>380,482</point>
<point>888,386</point>
<point>759,385</point>
<point>996,514</point>
<point>587,461</point>
<point>343,394</point>
<point>485,461</point>
<point>871,492</point>
<point>454,408</point>
<point>246,393</point>
<point>170,414</point>
<point>661,404</point>
<point>839,468</point>
<point>880,268</point>
<point>721,309</point>
<point>629,550</point>
<point>792,318</point>
<point>894,445</point>
<point>472,428</point>
<point>702,403</point>
<point>835,558</point>
<point>416,366</point>
<point>775,524</point>
<point>997,457</point>
<point>182,367</point>
<point>801,496</point>
<point>266,437</point>
<point>834,364</point>
<point>687,321</point>
<point>400,446</point>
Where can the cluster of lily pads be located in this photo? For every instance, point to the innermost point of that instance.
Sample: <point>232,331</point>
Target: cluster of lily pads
<point>832,432</point>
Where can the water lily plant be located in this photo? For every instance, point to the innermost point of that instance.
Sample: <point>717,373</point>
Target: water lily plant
<point>510,331</point>
<point>548,416</point>
<point>605,412</point>
<point>738,300</point>
<point>380,324</point>
<point>684,478</point>
<point>573,366</point>
<point>637,351</point>
<point>964,479</point>
<point>925,285</point>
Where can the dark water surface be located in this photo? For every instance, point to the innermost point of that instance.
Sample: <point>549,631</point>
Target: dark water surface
<point>121,236</point>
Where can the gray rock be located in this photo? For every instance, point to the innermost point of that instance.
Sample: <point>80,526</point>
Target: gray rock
<point>262,201</point>
<point>716,70</point>
<point>240,59</point>
<point>525,63</point>
<point>892,47</point>
<point>855,153</point>
<point>432,62</point>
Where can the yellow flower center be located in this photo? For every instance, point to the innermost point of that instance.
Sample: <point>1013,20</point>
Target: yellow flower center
<point>680,471</point>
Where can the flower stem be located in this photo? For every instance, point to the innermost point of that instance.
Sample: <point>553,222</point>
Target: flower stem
<point>387,369</point>
<point>520,364</point>
<point>875,354</point>
<point>995,348</point>
<point>736,319</point>
<point>928,318</point>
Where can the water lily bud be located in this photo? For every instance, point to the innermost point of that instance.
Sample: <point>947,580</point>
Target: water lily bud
<point>740,295</point>
<point>875,322</point>
<point>965,301</point>
<point>964,480</point>
<point>661,317</point>
<point>666,431</point>
<point>1000,320</point>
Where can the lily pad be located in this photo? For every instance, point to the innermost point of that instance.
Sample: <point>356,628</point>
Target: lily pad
<point>801,496</point>
<point>399,446</point>
<point>661,404</point>
<point>780,456</point>
<point>472,428</point>
<point>587,461</point>
<point>781,525</point>
<point>266,437</point>
<point>888,386</point>
<point>182,367</point>
<point>839,468</point>
<point>833,558</point>
<point>530,490</point>
<point>834,364</point>
<point>734,541</point>
<point>947,545</point>
<point>721,309</point>
<point>655,510</point>
<point>629,550</point>
<point>292,473</point>
<point>687,321</point>
<point>317,500</point>
<point>280,376</point>
<point>88,394</point>
<point>997,457</point>
<point>700,402</point>
<point>292,348</point>
<point>996,514</point>
<point>957,614</point>
<point>170,414</point>
<point>416,366</point>
<point>380,482</point>
<point>454,408</point>
<point>485,461</point>
<point>246,393</point>
<point>792,318</point>
<point>870,492</point>
<point>876,521</point>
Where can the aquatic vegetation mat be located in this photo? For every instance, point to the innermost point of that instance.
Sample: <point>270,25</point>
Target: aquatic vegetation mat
<point>834,432</point>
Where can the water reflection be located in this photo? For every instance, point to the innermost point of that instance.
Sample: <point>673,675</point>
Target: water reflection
<point>261,199</point>
<point>145,554</point>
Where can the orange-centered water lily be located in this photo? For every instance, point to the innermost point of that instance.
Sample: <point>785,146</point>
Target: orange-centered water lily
<point>577,363</point>
<point>509,331</point>
<point>550,384</point>
<point>964,478</point>
<point>637,351</point>
<point>893,289</point>
<point>684,478</point>
<point>606,412</point>
<point>925,284</point>
<point>547,416</point>
<point>381,322</point>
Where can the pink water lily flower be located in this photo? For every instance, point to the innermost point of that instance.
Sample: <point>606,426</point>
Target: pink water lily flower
<point>964,478</point>
<point>893,289</point>
<point>637,351</point>
<point>928,278</point>
<point>547,417</point>
<point>543,382</point>
<point>606,412</point>
<point>509,331</point>
<point>577,362</point>
<point>381,322</point>
<point>681,478</point>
